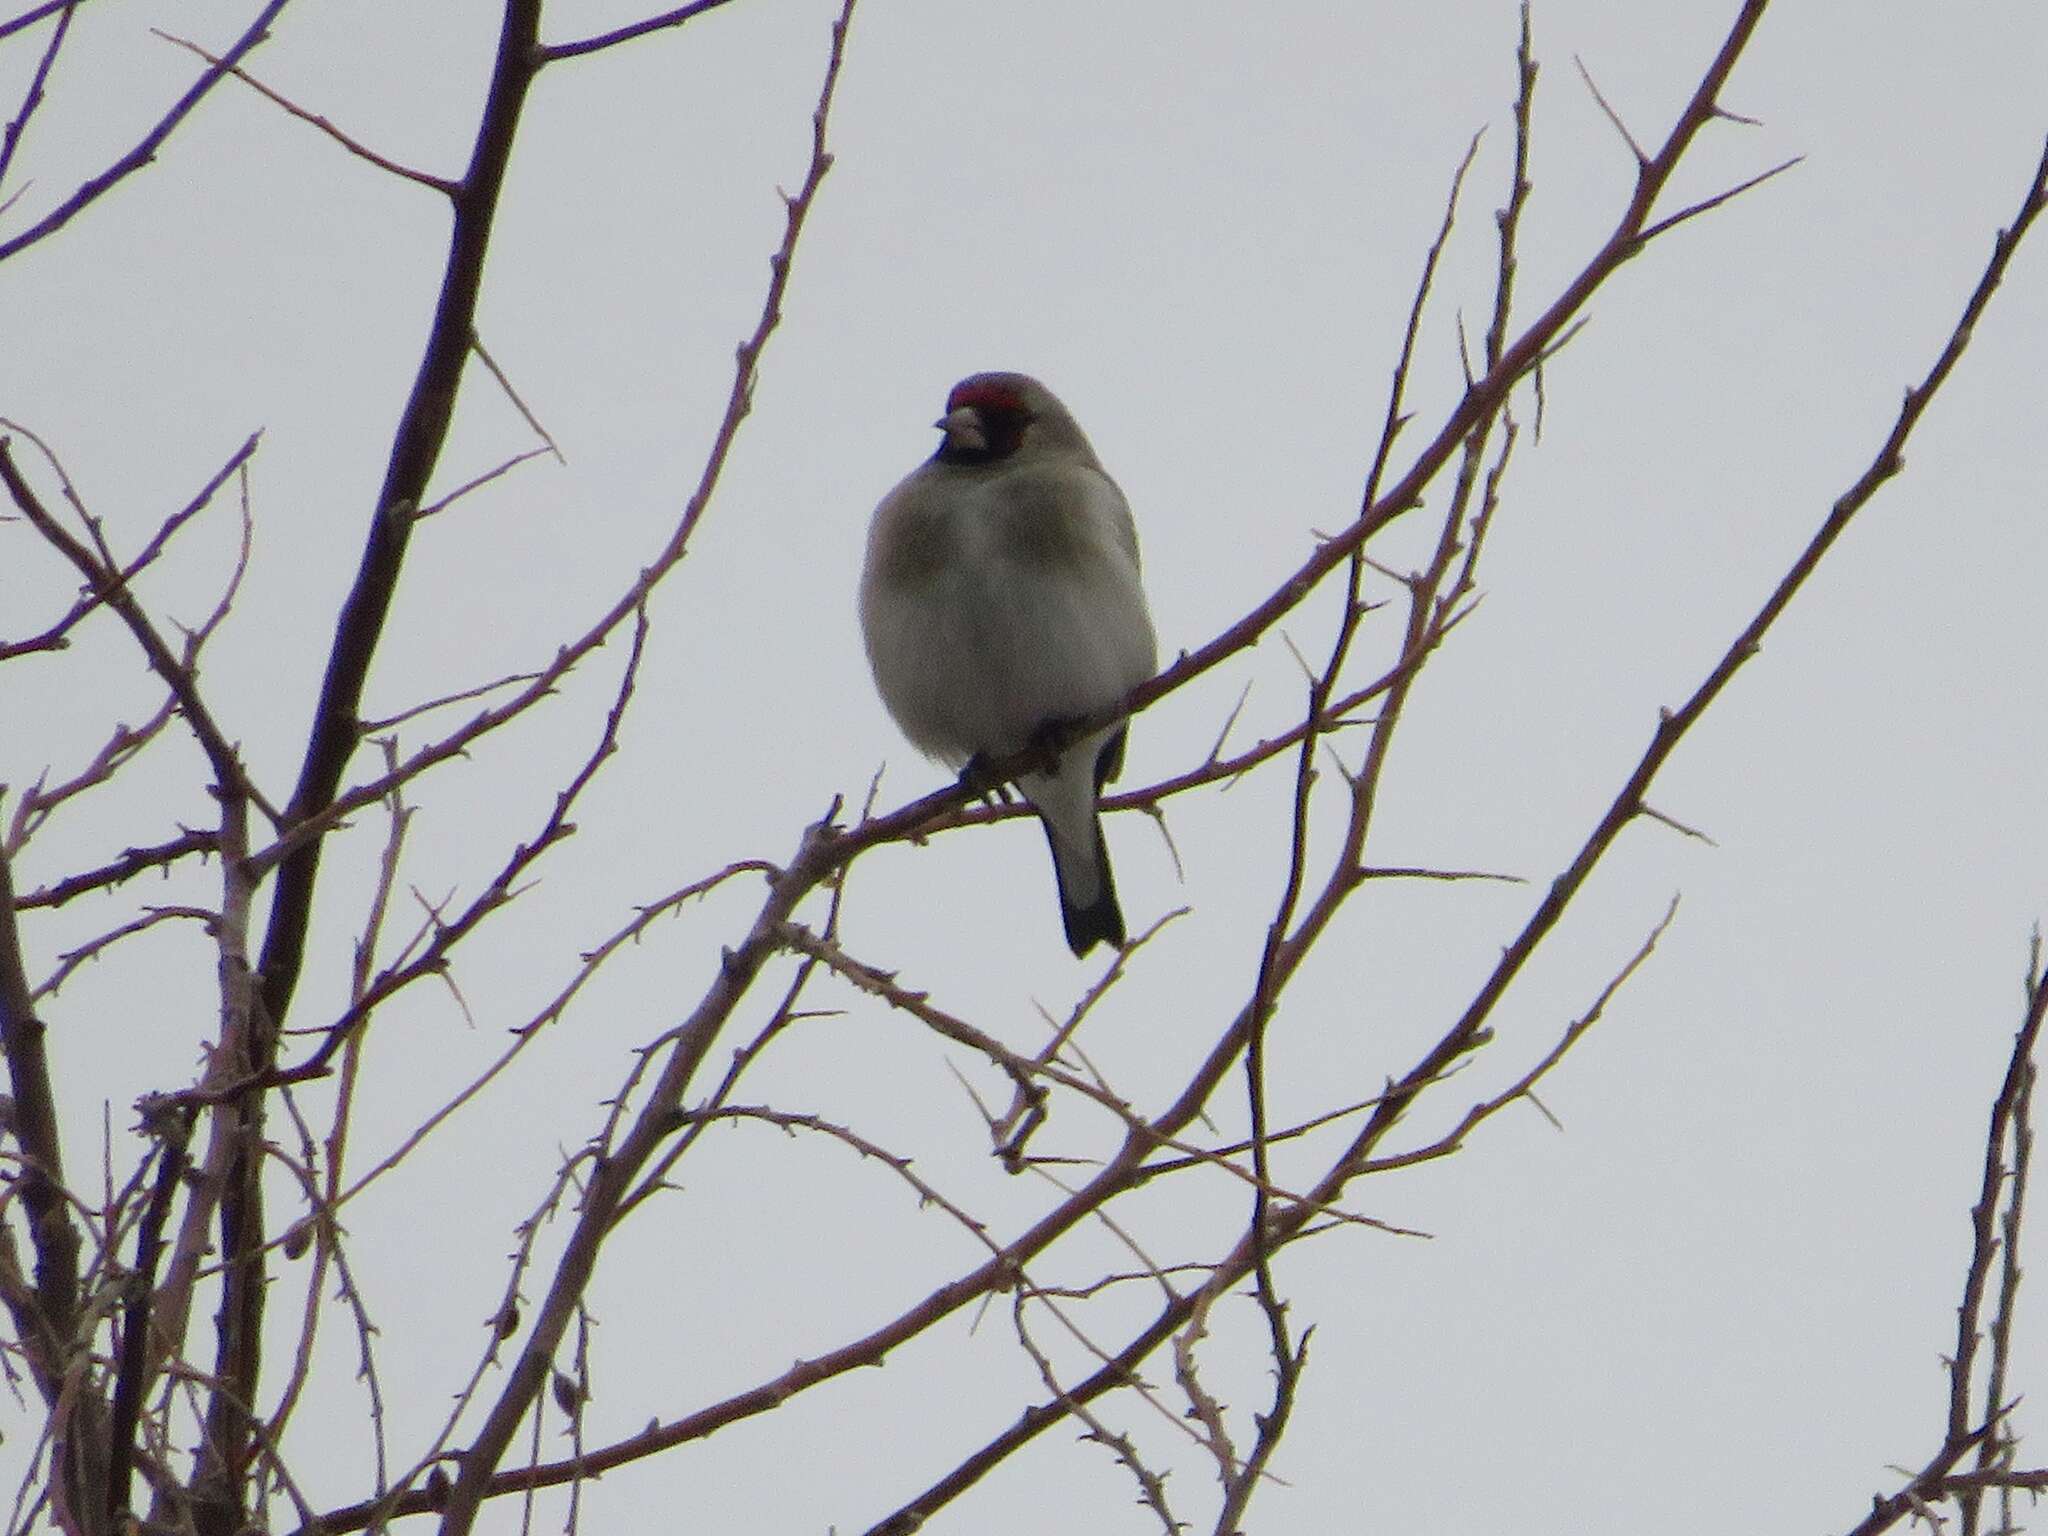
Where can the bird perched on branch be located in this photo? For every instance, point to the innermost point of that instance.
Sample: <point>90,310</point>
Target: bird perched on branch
<point>1001,602</point>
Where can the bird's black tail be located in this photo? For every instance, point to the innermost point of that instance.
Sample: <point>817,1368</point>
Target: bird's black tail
<point>1098,919</point>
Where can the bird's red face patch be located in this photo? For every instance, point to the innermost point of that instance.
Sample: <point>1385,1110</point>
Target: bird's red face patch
<point>988,395</point>
<point>986,418</point>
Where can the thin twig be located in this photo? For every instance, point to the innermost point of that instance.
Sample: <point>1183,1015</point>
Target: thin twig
<point>1613,116</point>
<point>10,139</point>
<point>435,508</point>
<point>110,585</point>
<point>553,52</point>
<point>145,151</point>
<point>476,343</point>
<point>354,146</point>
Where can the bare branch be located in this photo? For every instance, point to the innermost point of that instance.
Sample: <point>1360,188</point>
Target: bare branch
<point>1642,160</point>
<point>110,585</point>
<point>1927,1485</point>
<point>336,732</point>
<point>1151,1484</point>
<point>172,1130</point>
<point>146,150</point>
<point>388,722</point>
<point>434,508</point>
<point>54,637</point>
<point>10,140</point>
<point>1484,397</point>
<point>552,52</point>
<point>416,448</point>
<point>500,889</point>
<point>539,431</point>
<point>903,1167</point>
<point>39,803</point>
<point>46,1318</point>
<point>614,1177</point>
<point>1674,724</point>
<point>131,863</point>
<point>1653,814</point>
<point>354,146</point>
<point>32,15</point>
<point>72,959</point>
<point>1709,204</point>
<point>2008,1135</point>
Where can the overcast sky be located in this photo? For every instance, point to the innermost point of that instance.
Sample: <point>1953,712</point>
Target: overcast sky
<point>1722,1295</point>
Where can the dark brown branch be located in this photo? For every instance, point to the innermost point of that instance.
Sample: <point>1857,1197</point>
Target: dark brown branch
<point>675,18</point>
<point>41,800</point>
<point>354,146</point>
<point>1995,1455</point>
<point>1486,394</point>
<point>460,696</point>
<point>198,502</point>
<point>613,1176</point>
<point>2027,1480</point>
<point>230,1440</point>
<point>335,733</point>
<point>1911,1499</point>
<point>434,508</point>
<point>319,813</point>
<point>90,191</point>
<point>55,637</point>
<point>433,957</point>
<point>131,863</point>
<point>928,1194</point>
<point>93,948</point>
<point>32,15</point>
<point>525,411</point>
<point>1627,805</point>
<point>48,1331</point>
<point>1709,204</point>
<point>740,402</point>
<point>1613,117</point>
<point>111,587</point>
<point>415,450</point>
<point>313,821</point>
<point>174,1128</point>
<point>2008,1130</point>
<point>10,140</point>
<point>1468,1031</point>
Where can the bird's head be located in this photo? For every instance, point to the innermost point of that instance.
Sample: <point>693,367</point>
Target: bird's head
<point>994,416</point>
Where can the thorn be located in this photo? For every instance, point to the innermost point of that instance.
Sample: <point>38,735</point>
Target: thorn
<point>1612,116</point>
<point>1735,117</point>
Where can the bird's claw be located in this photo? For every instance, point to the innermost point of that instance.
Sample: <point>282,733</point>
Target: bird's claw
<point>990,789</point>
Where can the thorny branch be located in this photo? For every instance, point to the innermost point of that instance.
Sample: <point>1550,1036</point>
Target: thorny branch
<point>651,1121</point>
<point>109,585</point>
<point>613,1177</point>
<point>46,1318</point>
<point>145,150</point>
<point>826,851</point>
<point>355,147</point>
<point>1977,1413</point>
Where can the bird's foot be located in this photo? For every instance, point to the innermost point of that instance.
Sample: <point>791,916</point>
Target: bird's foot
<point>1047,742</point>
<point>992,790</point>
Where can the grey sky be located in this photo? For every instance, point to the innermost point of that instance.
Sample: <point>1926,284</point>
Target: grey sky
<point>1723,1294</point>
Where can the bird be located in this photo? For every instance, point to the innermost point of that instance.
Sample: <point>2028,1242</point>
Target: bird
<point>1000,601</point>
